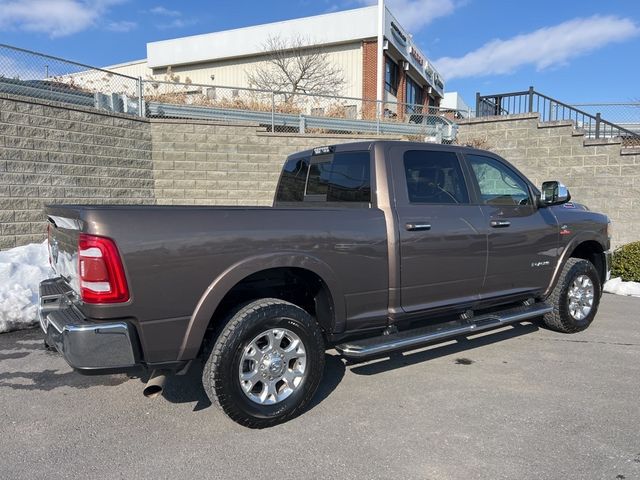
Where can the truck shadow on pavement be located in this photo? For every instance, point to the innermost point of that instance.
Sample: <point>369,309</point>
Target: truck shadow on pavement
<point>27,343</point>
<point>400,359</point>
<point>188,388</point>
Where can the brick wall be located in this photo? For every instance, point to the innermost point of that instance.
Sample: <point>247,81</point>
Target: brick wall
<point>369,76</point>
<point>599,173</point>
<point>210,164</point>
<point>54,154</point>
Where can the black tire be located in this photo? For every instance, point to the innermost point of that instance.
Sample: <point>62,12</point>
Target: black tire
<point>560,319</point>
<point>220,376</point>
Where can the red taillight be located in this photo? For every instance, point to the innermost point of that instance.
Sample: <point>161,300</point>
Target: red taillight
<point>102,278</point>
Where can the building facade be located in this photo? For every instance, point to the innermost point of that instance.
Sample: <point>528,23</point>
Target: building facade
<point>349,39</point>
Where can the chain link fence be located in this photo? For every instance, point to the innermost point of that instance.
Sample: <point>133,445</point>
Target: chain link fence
<point>30,74</point>
<point>298,112</point>
<point>626,115</point>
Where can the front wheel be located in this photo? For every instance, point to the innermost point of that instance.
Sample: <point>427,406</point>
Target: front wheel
<point>575,298</point>
<point>266,364</point>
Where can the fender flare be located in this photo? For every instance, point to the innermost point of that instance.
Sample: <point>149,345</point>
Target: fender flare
<point>229,278</point>
<point>588,236</point>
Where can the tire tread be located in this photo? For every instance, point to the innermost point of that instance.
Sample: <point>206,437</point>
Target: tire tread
<point>237,323</point>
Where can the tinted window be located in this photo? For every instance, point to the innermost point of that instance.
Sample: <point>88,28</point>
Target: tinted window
<point>391,76</point>
<point>499,185</point>
<point>434,177</point>
<point>292,180</point>
<point>342,177</point>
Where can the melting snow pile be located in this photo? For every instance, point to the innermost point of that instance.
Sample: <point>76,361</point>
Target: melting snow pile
<point>617,286</point>
<point>21,271</point>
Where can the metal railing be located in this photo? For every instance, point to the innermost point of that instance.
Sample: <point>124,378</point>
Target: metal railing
<point>551,109</point>
<point>280,111</point>
<point>31,74</point>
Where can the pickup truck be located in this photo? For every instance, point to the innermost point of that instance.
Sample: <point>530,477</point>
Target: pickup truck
<point>369,248</point>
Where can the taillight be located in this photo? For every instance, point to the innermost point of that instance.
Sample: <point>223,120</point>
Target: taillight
<point>102,278</point>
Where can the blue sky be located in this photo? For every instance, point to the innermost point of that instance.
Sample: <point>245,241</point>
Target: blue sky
<point>576,51</point>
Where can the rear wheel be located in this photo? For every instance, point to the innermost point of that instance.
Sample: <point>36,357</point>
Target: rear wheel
<point>576,297</point>
<point>266,364</point>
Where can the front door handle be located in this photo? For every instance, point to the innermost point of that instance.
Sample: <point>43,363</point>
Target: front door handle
<point>500,223</point>
<point>414,227</point>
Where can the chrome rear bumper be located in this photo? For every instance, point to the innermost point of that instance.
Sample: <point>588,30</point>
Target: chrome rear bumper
<point>86,345</point>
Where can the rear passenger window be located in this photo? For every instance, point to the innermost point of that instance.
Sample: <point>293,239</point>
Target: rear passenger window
<point>434,177</point>
<point>343,177</point>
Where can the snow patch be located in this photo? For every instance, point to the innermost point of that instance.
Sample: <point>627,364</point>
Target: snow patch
<point>617,286</point>
<point>21,271</point>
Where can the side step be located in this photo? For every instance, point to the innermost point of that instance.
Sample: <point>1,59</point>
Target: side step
<point>421,336</point>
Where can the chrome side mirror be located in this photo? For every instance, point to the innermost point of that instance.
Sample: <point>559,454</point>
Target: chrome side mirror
<point>554,193</point>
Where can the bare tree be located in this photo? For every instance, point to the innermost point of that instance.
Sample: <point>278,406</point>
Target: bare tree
<point>295,67</point>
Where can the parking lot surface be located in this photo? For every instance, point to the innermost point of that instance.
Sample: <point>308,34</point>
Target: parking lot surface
<point>518,403</point>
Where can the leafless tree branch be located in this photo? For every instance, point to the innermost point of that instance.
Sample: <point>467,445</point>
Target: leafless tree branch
<point>294,67</point>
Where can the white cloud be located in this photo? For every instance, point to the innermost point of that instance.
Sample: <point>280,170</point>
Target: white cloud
<point>416,14</point>
<point>121,26</point>
<point>57,18</point>
<point>177,23</point>
<point>160,10</point>
<point>543,48</point>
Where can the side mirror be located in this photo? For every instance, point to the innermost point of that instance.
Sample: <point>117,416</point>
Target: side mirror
<point>554,193</point>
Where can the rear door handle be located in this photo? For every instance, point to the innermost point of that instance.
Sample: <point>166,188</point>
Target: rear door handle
<point>414,227</point>
<point>500,223</point>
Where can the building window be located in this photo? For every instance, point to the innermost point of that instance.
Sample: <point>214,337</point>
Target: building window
<point>391,76</point>
<point>414,97</point>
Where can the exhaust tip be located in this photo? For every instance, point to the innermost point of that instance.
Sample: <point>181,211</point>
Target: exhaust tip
<point>155,385</point>
<point>152,391</point>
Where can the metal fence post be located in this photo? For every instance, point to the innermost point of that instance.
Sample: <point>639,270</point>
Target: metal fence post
<point>477,104</point>
<point>530,99</point>
<point>598,125</point>
<point>301,126</point>
<point>141,109</point>
<point>273,111</point>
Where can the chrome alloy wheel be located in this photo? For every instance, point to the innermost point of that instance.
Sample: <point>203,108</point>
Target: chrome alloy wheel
<point>580,297</point>
<point>272,366</point>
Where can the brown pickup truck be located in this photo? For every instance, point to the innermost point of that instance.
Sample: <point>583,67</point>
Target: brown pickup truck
<point>369,248</point>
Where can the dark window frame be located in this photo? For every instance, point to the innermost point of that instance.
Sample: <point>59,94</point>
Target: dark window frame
<point>391,76</point>
<point>412,106</point>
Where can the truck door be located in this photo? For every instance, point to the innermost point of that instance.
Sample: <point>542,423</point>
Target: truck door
<point>522,239</point>
<point>443,242</point>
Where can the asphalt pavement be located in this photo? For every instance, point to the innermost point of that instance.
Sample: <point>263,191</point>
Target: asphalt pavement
<point>518,403</point>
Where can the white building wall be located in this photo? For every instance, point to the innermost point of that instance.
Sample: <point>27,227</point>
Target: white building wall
<point>234,72</point>
<point>327,29</point>
<point>135,69</point>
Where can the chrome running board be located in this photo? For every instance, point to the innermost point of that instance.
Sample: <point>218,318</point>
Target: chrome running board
<point>420,336</point>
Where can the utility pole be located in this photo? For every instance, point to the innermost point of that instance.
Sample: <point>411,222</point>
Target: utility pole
<point>380,57</point>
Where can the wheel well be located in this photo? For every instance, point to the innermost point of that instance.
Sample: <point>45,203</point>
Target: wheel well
<point>592,251</point>
<point>299,286</point>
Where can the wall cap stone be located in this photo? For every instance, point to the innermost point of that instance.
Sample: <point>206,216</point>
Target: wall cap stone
<point>591,142</point>
<point>556,123</point>
<point>630,151</point>
<point>498,118</point>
